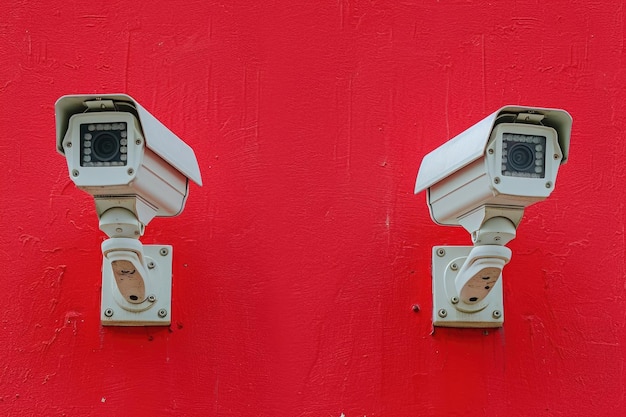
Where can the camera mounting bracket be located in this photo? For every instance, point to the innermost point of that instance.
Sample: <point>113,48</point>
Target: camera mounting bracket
<point>448,308</point>
<point>154,307</point>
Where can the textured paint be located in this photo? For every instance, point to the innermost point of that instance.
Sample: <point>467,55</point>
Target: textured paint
<point>296,266</point>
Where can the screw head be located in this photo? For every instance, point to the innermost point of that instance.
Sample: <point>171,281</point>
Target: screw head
<point>108,312</point>
<point>75,173</point>
<point>490,151</point>
<point>441,252</point>
<point>496,180</point>
<point>496,314</point>
<point>164,252</point>
<point>548,184</point>
<point>416,308</point>
<point>454,300</point>
<point>454,266</point>
<point>442,313</point>
<point>130,171</point>
<point>162,313</point>
<point>151,298</point>
<point>151,265</point>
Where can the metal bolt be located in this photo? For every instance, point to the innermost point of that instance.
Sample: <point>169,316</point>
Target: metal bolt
<point>108,312</point>
<point>130,171</point>
<point>496,180</point>
<point>162,313</point>
<point>75,173</point>
<point>68,145</point>
<point>497,238</point>
<point>490,151</point>
<point>496,314</point>
<point>138,142</point>
<point>454,266</point>
<point>164,252</point>
<point>442,313</point>
<point>151,265</point>
<point>416,308</point>
<point>441,252</point>
<point>556,156</point>
<point>454,300</point>
<point>151,298</point>
<point>548,184</point>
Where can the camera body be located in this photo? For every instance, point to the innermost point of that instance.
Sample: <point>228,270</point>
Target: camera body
<point>123,156</point>
<point>507,161</point>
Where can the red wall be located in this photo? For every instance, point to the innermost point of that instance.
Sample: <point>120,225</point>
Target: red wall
<point>296,266</point>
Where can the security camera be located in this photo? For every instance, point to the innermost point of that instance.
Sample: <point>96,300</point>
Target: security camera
<point>482,180</point>
<point>136,169</point>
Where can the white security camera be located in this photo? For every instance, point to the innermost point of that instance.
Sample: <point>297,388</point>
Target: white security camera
<point>136,169</point>
<point>482,180</point>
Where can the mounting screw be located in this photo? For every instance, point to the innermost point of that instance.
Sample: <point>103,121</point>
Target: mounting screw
<point>138,142</point>
<point>416,308</point>
<point>490,151</point>
<point>130,171</point>
<point>75,173</point>
<point>151,265</point>
<point>556,156</point>
<point>548,184</point>
<point>162,313</point>
<point>496,180</point>
<point>108,312</point>
<point>164,251</point>
<point>496,314</point>
<point>454,266</point>
<point>442,313</point>
<point>68,145</point>
<point>454,300</point>
<point>441,252</point>
<point>151,298</point>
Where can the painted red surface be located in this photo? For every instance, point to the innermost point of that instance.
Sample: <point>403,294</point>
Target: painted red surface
<point>296,266</point>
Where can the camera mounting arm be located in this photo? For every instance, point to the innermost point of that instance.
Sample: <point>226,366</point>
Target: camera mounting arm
<point>483,267</point>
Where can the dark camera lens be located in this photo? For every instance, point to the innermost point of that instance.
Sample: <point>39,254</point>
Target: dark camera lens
<point>103,144</point>
<point>521,156</point>
<point>105,147</point>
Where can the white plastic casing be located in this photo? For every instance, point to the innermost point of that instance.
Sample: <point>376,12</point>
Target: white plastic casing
<point>465,172</point>
<point>154,181</point>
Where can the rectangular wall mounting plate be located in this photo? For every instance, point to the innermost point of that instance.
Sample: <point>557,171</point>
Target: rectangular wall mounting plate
<point>156,309</point>
<point>448,310</point>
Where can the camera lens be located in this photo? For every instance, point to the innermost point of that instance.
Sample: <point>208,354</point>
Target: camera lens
<point>104,144</point>
<point>105,147</point>
<point>521,156</point>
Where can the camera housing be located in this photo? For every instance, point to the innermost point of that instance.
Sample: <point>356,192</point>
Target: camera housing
<point>136,169</point>
<point>123,156</point>
<point>482,179</point>
<point>496,163</point>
